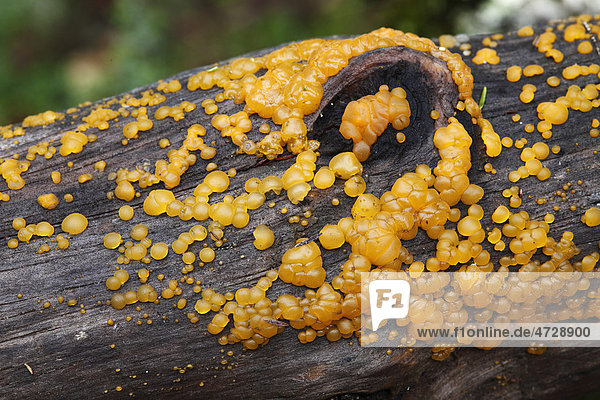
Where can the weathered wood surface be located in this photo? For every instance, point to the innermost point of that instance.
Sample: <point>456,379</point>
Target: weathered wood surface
<point>70,353</point>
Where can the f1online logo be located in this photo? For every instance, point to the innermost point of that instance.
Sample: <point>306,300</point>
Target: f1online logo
<point>389,300</point>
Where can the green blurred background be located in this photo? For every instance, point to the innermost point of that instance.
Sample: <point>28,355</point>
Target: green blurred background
<point>58,53</point>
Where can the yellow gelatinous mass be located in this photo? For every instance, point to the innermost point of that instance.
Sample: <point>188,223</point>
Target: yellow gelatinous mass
<point>72,142</point>
<point>207,255</point>
<point>158,251</point>
<point>295,178</point>
<point>126,212</point>
<point>331,237</point>
<point>365,119</point>
<point>157,201</point>
<point>513,73</point>
<point>324,178</point>
<point>49,201</point>
<point>74,223</point>
<point>303,266</point>
<point>11,171</point>
<point>486,56</point>
<point>218,181</point>
<point>345,165</point>
<point>112,240</point>
<point>263,237</point>
<point>44,229</point>
<point>591,217</point>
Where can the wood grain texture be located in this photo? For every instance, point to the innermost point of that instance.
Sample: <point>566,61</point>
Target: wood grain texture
<point>70,353</point>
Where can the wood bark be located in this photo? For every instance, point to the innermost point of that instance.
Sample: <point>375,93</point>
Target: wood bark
<point>70,353</point>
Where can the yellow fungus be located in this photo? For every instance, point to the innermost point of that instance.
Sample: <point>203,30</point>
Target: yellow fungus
<point>555,113</point>
<point>113,283</point>
<point>56,177</point>
<point>553,81</point>
<point>263,237</point>
<point>207,255</point>
<point>331,237</point>
<point>179,246</point>
<point>324,178</point>
<point>500,246</point>
<point>164,143</point>
<point>400,137</point>
<point>574,32</point>
<point>533,70</point>
<point>112,240</point>
<point>74,223</point>
<point>543,174</point>
<point>345,165</point>
<point>365,119</point>
<point>100,165</point>
<point>540,150</point>
<point>500,215</point>
<point>255,200</point>
<point>157,201</point>
<point>11,171</point>
<point>494,236</point>
<point>447,41</point>
<point>271,183</point>
<point>72,142</point>
<point>48,201</point>
<point>585,47</point>
<point>355,186</point>
<point>139,232</point>
<point>44,118</point>
<point>591,217</point>
<point>136,252</point>
<point>62,242</point>
<point>303,266</point>
<point>513,73</point>
<point>218,181</point>
<point>19,223</point>
<point>527,94</point>
<point>44,229</point>
<point>130,130</point>
<point>588,263</point>
<point>252,185</point>
<point>293,78</point>
<point>146,293</point>
<point>525,31</point>
<point>486,56</point>
<point>468,226</point>
<point>188,257</point>
<point>198,233</point>
<point>84,178</point>
<point>366,206</point>
<point>507,142</point>
<point>121,275</point>
<point>158,251</point>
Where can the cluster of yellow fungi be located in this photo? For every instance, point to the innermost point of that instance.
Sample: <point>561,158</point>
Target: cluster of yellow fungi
<point>365,119</point>
<point>281,88</point>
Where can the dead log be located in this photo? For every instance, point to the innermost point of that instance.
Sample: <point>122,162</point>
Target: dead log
<point>60,352</point>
